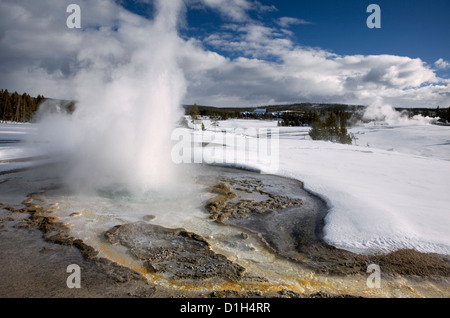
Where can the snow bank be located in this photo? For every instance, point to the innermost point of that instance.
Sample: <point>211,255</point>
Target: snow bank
<point>392,194</point>
<point>379,200</point>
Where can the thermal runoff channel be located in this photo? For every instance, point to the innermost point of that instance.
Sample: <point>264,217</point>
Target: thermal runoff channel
<point>128,91</point>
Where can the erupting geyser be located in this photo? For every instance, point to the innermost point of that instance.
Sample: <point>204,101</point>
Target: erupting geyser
<point>128,92</point>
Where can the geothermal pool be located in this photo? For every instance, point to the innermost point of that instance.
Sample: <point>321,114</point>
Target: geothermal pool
<point>279,249</point>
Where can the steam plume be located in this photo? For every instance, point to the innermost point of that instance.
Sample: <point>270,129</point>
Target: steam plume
<point>383,112</point>
<point>128,91</point>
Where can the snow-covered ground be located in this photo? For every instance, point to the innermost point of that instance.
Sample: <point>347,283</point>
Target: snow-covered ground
<point>15,151</point>
<point>387,191</point>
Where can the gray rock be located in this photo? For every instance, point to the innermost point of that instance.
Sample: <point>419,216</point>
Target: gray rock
<point>174,252</point>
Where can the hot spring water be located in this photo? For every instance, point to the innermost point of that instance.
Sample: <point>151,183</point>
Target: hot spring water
<point>90,216</point>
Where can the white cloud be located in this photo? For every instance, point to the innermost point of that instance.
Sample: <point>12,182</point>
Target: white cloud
<point>236,10</point>
<point>442,64</point>
<point>276,69</point>
<point>37,46</point>
<point>40,55</point>
<point>286,22</point>
<point>305,74</point>
<point>250,40</point>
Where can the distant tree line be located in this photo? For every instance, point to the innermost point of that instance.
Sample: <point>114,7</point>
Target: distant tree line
<point>221,114</point>
<point>443,113</point>
<point>209,111</point>
<point>287,115</point>
<point>300,118</point>
<point>18,108</point>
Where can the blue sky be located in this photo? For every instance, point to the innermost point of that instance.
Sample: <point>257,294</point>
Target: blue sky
<point>236,52</point>
<point>414,28</point>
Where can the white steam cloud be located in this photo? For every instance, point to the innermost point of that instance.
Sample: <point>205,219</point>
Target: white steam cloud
<point>382,112</point>
<point>128,92</point>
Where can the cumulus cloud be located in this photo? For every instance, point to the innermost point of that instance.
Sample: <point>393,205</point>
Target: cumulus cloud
<point>286,22</point>
<point>442,64</point>
<point>236,10</point>
<point>246,62</point>
<point>250,40</point>
<point>314,75</point>
<point>39,50</point>
<point>272,68</point>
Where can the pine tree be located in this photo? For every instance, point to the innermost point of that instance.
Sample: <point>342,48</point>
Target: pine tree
<point>19,108</point>
<point>316,131</point>
<point>71,107</point>
<point>214,121</point>
<point>30,108</point>
<point>8,111</point>
<point>195,113</point>
<point>331,127</point>
<point>344,137</point>
<point>286,119</point>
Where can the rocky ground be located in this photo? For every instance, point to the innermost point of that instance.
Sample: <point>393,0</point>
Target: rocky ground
<point>36,247</point>
<point>292,227</point>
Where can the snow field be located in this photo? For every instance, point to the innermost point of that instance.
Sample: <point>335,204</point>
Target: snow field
<point>389,191</point>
